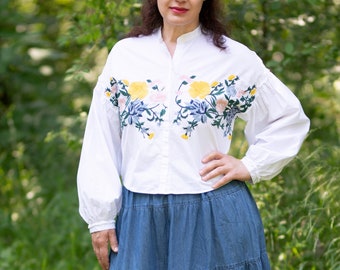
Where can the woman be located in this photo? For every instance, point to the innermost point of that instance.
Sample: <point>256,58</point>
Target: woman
<point>155,181</point>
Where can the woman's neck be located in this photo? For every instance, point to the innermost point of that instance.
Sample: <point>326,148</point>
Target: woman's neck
<point>171,34</point>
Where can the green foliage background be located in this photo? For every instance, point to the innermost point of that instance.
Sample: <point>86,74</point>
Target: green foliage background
<point>51,53</point>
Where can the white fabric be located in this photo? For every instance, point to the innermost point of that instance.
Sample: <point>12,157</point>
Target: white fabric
<point>153,118</point>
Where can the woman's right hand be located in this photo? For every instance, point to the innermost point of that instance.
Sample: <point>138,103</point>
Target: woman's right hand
<point>100,242</point>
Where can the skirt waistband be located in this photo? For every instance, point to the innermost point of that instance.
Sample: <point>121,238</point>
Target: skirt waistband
<point>133,199</point>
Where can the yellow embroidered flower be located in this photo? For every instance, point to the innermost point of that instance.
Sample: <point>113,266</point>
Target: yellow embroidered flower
<point>185,136</point>
<point>230,137</point>
<point>253,92</point>
<point>138,90</point>
<point>151,135</point>
<point>108,93</point>
<point>214,84</point>
<point>232,77</point>
<point>199,89</point>
<point>126,82</point>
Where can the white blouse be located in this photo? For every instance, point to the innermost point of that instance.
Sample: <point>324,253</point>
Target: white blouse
<point>154,117</point>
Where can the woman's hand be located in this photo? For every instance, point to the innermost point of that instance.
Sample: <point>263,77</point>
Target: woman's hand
<point>217,164</point>
<point>100,242</point>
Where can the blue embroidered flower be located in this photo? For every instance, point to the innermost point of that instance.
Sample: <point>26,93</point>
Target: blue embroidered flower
<point>198,110</point>
<point>134,111</point>
<point>231,91</point>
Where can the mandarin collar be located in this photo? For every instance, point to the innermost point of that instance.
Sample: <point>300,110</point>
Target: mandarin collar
<point>187,37</point>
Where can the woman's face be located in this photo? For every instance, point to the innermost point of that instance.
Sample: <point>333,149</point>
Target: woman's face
<point>182,14</point>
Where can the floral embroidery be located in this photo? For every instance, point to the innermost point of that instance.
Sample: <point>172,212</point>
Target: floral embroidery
<point>219,102</point>
<point>130,100</point>
<point>138,90</point>
<point>199,89</point>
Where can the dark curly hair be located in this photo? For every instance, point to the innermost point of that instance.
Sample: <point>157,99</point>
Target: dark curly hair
<point>210,20</point>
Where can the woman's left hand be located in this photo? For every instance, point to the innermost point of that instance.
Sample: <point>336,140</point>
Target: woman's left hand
<point>217,164</point>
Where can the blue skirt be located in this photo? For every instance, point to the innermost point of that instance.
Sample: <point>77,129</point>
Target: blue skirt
<point>216,230</point>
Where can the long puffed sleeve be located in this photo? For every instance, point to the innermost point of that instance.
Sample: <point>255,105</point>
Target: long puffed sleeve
<point>276,127</point>
<point>98,179</point>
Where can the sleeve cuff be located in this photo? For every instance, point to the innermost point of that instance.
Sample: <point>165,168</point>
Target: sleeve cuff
<point>102,226</point>
<point>252,168</point>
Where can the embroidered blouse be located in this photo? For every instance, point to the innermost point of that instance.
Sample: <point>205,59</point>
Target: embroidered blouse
<point>154,117</point>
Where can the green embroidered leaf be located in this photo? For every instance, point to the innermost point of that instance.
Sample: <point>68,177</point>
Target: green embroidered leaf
<point>124,93</point>
<point>210,112</point>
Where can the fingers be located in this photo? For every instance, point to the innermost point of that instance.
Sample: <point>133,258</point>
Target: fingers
<point>100,241</point>
<point>218,164</point>
<point>113,240</point>
<point>222,182</point>
<point>213,169</point>
<point>212,156</point>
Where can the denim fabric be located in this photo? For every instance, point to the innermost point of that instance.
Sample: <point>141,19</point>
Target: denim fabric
<point>217,230</point>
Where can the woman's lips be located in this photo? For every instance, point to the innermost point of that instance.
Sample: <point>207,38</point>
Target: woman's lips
<point>179,10</point>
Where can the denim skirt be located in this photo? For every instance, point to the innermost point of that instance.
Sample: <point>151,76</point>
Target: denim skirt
<point>216,230</point>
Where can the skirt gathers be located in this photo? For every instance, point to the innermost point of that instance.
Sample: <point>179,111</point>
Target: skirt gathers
<point>216,230</point>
